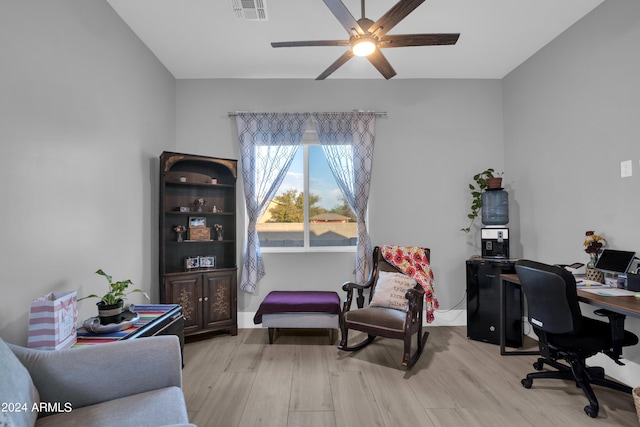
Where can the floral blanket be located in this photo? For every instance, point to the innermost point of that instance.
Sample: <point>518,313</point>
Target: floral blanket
<point>413,261</point>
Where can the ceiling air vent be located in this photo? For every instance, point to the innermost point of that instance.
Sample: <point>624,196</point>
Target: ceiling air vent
<point>250,10</point>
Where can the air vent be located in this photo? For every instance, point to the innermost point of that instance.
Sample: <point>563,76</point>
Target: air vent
<point>250,10</point>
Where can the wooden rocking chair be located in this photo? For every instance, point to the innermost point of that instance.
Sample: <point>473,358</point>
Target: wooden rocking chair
<point>382,321</point>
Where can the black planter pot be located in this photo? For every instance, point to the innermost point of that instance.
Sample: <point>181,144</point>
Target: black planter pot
<point>110,313</point>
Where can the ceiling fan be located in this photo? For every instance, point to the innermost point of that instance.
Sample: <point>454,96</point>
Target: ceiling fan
<point>368,37</point>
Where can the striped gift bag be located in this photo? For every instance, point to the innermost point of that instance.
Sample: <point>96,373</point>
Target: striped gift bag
<point>52,321</point>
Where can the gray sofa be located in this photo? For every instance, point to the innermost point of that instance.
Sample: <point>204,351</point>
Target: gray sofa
<point>126,383</point>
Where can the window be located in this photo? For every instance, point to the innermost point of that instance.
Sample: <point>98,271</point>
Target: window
<point>309,210</point>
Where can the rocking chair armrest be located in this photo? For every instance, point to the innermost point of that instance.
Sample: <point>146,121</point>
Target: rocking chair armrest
<point>416,298</point>
<point>348,287</point>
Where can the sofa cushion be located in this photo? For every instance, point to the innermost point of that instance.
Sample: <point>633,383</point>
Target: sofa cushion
<point>153,408</point>
<point>16,389</point>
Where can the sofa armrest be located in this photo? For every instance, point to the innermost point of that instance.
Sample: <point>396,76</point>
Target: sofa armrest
<point>98,373</point>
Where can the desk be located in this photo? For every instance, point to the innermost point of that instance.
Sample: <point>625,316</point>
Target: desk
<point>629,306</point>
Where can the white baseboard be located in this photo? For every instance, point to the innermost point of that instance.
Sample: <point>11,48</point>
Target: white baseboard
<point>245,320</point>
<point>444,318</point>
<point>450,318</point>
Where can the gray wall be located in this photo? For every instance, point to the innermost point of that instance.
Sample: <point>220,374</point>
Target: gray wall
<point>85,111</point>
<point>571,115</point>
<point>437,135</point>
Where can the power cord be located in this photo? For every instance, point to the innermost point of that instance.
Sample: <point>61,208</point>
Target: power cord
<point>455,306</point>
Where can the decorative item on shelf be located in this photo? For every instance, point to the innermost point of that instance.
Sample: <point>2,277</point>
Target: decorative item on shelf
<point>183,209</point>
<point>207,261</point>
<point>110,306</point>
<point>199,203</point>
<point>488,179</point>
<point>192,262</point>
<point>214,181</point>
<point>183,179</point>
<point>197,222</point>
<point>214,209</point>
<point>219,231</point>
<point>594,245</point>
<point>199,233</point>
<point>198,229</point>
<point>180,229</point>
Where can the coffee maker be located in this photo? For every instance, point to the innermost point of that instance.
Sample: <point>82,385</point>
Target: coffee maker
<point>495,242</point>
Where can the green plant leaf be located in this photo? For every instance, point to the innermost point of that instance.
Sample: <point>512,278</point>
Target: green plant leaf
<point>102,273</point>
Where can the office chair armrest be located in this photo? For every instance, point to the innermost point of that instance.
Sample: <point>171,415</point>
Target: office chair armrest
<point>348,287</point>
<point>616,320</point>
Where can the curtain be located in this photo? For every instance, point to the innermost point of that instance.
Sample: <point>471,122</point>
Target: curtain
<point>347,140</point>
<point>268,143</point>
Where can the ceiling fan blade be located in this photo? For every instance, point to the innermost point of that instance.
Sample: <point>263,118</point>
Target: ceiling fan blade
<point>380,62</point>
<point>402,40</point>
<point>337,64</point>
<point>396,14</point>
<point>311,43</point>
<point>345,17</point>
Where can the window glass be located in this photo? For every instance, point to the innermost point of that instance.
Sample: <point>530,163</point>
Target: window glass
<point>282,225</point>
<point>331,220</point>
<point>317,217</point>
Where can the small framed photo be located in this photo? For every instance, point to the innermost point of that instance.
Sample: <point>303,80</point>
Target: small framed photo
<point>197,222</point>
<point>207,261</point>
<point>192,262</point>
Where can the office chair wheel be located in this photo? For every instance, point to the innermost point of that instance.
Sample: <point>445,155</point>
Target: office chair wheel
<point>591,411</point>
<point>527,383</point>
<point>538,365</point>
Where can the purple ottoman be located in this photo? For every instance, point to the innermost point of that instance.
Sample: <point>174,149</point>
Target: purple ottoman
<point>299,309</point>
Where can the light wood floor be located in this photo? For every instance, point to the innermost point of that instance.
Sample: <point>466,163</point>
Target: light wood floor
<point>301,380</point>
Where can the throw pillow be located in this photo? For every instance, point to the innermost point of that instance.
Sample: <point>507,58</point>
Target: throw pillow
<point>390,291</point>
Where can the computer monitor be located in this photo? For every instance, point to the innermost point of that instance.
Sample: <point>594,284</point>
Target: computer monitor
<point>617,262</point>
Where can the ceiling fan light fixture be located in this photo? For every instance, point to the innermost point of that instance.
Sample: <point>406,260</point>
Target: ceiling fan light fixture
<point>363,46</point>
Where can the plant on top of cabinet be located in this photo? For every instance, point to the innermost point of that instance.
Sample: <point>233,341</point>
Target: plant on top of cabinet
<point>483,180</point>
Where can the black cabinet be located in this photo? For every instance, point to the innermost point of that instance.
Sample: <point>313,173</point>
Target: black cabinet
<point>483,302</point>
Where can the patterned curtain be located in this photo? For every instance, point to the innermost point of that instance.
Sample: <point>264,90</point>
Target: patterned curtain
<point>347,140</point>
<point>268,143</point>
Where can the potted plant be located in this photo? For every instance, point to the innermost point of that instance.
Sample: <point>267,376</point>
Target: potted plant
<point>488,179</point>
<point>111,303</point>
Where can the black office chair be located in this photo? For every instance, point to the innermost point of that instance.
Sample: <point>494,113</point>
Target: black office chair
<point>564,334</point>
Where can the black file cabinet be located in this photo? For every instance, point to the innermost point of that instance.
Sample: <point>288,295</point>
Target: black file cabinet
<point>483,302</point>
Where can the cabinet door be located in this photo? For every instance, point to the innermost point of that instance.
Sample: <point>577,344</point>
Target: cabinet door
<point>220,299</point>
<point>186,290</point>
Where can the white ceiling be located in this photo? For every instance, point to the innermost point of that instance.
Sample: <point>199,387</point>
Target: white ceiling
<point>203,39</point>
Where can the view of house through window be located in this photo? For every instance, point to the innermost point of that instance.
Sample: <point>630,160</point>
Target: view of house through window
<point>309,209</point>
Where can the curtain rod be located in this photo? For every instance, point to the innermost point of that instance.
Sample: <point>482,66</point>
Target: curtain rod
<point>377,113</point>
